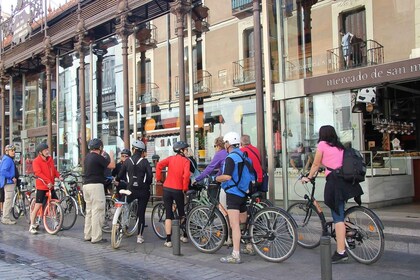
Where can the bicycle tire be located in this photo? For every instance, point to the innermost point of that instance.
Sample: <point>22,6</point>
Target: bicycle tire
<point>117,230</point>
<point>133,220</point>
<point>158,220</point>
<point>206,228</point>
<point>367,235</point>
<point>109,214</point>
<point>27,208</point>
<point>16,206</point>
<point>69,206</point>
<point>81,203</point>
<point>309,224</point>
<point>273,234</point>
<point>53,217</point>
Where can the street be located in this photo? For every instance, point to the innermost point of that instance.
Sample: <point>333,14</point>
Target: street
<point>67,256</point>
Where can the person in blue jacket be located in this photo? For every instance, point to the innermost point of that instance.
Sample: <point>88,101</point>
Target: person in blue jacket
<point>8,179</point>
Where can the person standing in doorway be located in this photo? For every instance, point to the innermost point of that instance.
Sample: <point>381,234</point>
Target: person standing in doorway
<point>346,40</point>
<point>8,181</point>
<point>93,190</point>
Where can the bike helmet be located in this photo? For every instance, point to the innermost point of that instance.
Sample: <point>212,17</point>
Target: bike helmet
<point>232,137</point>
<point>10,148</point>
<point>95,144</point>
<point>41,146</point>
<point>180,145</point>
<point>126,152</point>
<point>139,145</point>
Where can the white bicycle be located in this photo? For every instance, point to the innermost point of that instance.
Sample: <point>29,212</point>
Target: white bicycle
<point>125,221</point>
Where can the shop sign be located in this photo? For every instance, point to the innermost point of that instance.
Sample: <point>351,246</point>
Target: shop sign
<point>364,77</point>
<point>21,26</point>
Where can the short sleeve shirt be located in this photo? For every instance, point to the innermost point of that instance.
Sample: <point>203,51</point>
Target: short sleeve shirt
<point>332,157</point>
<point>95,166</point>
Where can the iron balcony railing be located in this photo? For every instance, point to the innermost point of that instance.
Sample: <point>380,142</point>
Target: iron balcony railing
<point>364,53</point>
<point>243,71</point>
<point>148,93</point>
<point>202,83</point>
<point>240,6</point>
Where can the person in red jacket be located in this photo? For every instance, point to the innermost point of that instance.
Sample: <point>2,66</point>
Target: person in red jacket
<point>176,183</point>
<point>254,155</point>
<point>45,173</point>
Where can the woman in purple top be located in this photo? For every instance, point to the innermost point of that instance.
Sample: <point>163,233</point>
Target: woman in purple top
<point>329,153</point>
<point>217,162</point>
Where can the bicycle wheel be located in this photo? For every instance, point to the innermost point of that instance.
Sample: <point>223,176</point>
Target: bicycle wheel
<point>365,237</point>
<point>53,217</point>
<point>309,224</point>
<point>158,220</point>
<point>273,234</point>
<point>109,214</point>
<point>17,205</point>
<point>81,203</point>
<point>206,228</point>
<point>69,206</point>
<point>26,207</point>
<point>133,222</point>
<point>117,229</point>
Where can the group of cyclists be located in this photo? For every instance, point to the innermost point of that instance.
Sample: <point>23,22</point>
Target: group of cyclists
<point>134,172</point>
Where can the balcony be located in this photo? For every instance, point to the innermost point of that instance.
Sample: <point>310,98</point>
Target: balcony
<point>202,84</point>
<point>364,53</point>
<point>146,37</point>
<point>244,73</point>
<point>148,94</point>
<point>241,7</point>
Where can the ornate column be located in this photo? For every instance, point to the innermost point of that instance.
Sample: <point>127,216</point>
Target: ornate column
<point>82,48</point>
<point>180,8</point>
<point>4,78</point>
<point>124,28</point>
<point>49,61</point>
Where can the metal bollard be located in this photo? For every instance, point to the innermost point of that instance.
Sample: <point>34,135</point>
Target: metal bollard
<point>176,243</point>
<point>326,269</point>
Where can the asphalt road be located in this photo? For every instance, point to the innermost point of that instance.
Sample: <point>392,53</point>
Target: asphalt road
<point>67,256</point>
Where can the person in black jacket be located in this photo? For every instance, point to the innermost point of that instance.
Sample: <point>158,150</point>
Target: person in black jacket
<point>121,182</point>
<point>138,172</point>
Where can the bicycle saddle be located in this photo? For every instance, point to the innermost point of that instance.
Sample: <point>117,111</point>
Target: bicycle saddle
<point>126,192</point>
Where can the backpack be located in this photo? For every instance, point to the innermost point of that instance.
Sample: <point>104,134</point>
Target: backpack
<point>136,173</point>
<point>353,168</point>
<point>263,187</point>
<point>246,175</point>
<point>196,172</point>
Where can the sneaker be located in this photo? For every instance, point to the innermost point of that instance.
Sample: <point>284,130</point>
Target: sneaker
<point>8,222</point>
<point>32,230</point>
<point>230,259</point>
<point>337,258</point>
<point>36,225</point>
<point>106,227</point>
<point>183,239</point>
<point>228,242</point>
<point>168,244</point>
<point>248,250</point>
<point>140,239</point>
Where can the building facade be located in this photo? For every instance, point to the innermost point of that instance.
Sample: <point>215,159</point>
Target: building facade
<point>124,70</point>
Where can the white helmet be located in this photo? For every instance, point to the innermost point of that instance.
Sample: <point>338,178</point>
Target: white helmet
<point>139,145</point>
<point>232,137</point>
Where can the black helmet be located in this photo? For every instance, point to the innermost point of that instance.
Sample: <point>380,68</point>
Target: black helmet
<point>126,152</point>
<point>41,146</point>
<point>139,145</point>
<point>95,144</point>
<point>155,157</point>
<point>179,146</point>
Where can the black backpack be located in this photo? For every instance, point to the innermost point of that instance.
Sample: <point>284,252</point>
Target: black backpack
<point>354,168</point>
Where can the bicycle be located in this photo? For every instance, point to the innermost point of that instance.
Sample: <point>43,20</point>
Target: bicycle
<point>364,230</point>
<point>22,199</point>
<point>271,231</point>
<point>67,202</point>
<point>194,198</point>
<point>122,220</point>
<point>50,213</point>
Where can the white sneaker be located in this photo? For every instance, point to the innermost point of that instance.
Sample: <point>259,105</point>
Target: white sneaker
<point>168,244</point>
<point>140,239</point>
<point>32,230</point>
<point>183,239</point>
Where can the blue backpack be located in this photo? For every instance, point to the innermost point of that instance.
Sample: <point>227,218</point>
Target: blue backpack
<point>246,174</point>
